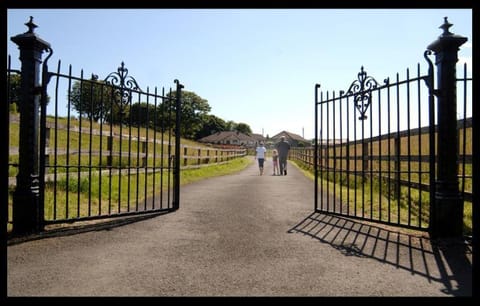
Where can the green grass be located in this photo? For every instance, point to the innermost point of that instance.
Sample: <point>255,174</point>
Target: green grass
<point>378,203</point>
<point>62,140</point>
<point>416,145</point>
<point>192,175</point>
<point>91,196</point>
<point>377,195</point>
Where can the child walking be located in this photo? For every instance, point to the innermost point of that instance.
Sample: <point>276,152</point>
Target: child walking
<point>276,170</point>
<point>261,156</point>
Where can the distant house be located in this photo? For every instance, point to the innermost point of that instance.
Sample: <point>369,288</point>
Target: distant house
<point>293,139</point>
<point>236,138</point>
<point>232,138</point>
<point>258,138</point>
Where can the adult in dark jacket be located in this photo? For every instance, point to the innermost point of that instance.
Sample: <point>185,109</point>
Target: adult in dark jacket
<point>283,147</point>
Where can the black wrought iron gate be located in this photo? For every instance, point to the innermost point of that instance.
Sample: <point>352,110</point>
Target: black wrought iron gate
<point>389,152</point>
<point>367,164</point>
<point>115,151</point>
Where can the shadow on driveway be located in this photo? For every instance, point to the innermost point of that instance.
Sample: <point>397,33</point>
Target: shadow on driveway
<point>445,261</point>
<point>74,228</point>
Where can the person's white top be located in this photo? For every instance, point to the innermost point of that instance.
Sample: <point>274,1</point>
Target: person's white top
<point>261,152</point>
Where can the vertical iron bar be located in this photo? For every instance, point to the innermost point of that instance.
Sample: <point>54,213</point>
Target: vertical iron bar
<point>139,125</point>
<point>44,145</point>
<point>145,190</point>
<point>137,176</point>
<point>334,153</point>
<point>380,172</point>
<point>315,160</point>
<point>79,161</point>
<point>370,158</point>
<point>55,153</point>
<point>162,150</point>
<point>431,141</point>
<point>100,155</point>
<point>328,153</point>
<point>398,166</point>
<point>178,100</point>
<point>170,128</point>
<point>420,163</point>
<point>419,128</point>
<point>120,152</point>
<point>389,202</point>
<point>92,84</point>
<point>348,156</point>
<point>409,151</point>
<point>363,167</point>
<point>322,161</point>
<point>154,162</point>
<point>7,208</point>
<point>356,160</point>
<point>67,177</point>
<point>110,148</point>
<point>464,149</point>
<point>129,166</point>
<point>341,169</point>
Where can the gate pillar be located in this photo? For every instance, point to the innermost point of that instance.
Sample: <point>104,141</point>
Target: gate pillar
<point>27,217</point>
<point>447,217</point>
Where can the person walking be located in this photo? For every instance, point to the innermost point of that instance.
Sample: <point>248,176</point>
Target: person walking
<point>261,156</point>
<point>283,147</point>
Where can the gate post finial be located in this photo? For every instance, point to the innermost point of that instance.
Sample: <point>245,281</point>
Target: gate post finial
<point>31,26</point>
<point>445,26</point>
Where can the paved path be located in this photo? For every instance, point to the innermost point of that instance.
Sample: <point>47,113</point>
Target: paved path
<point>240,235</point>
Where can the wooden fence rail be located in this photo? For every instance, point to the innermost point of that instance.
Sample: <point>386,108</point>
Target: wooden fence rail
<point>371,157</point>
<point>192,156</point>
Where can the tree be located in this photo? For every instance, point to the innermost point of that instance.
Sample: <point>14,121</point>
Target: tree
<point>193,110</point>
<point>96,100</point>
<point>239,127</point>
<point>211,125</point>
<point>243,128</point>
<point>231,126</point>
<point>141,114</point>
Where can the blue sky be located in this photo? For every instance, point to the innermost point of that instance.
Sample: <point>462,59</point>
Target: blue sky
<point>256,66</point>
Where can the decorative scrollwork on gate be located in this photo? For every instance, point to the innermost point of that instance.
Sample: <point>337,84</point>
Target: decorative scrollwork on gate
<point>361,91</point>
<point>429,77</point>
<point>122,85</point>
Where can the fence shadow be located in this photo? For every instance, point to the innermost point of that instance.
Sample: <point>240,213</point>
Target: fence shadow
<point>445,261</point>
<point>78,227</point>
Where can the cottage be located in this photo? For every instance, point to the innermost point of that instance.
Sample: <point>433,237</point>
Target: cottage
<point>232,138</point>
<point>293,139</point>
